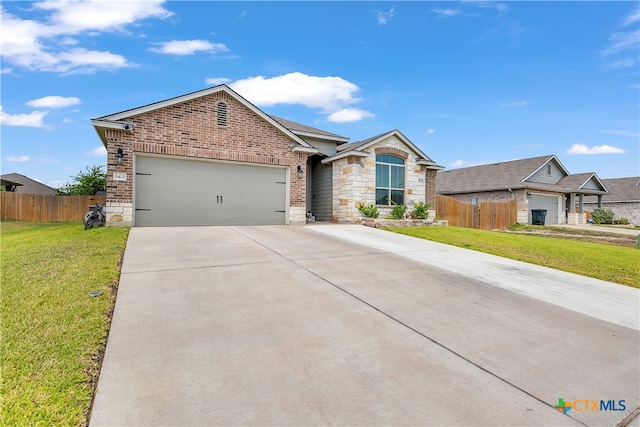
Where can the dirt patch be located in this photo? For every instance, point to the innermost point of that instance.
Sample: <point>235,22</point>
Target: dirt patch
<point>581,235</point>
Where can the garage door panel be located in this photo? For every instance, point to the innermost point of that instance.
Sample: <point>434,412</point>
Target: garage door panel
<point>190,192</point>
<point>550,203</point>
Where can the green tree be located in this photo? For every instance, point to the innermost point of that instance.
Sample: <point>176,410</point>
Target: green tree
<point>86,183</point>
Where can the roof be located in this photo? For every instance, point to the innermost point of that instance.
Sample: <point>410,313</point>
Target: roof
<point>622,189</point>
<point>511,174</point>
<point>27,185</point>
<point>119,120</point>
<point>304,130</point>
<point>357,149</point>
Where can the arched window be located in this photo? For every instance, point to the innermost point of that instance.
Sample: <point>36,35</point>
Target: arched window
<point>222,114</point>
<point>389,179</point>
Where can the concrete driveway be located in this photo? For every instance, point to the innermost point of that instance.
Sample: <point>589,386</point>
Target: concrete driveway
<point>348,325</point>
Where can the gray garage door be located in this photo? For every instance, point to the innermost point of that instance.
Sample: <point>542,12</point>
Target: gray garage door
<point>190,192</point>
<point>550,203</point>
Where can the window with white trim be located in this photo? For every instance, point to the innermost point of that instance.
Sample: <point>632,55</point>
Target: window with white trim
<point>389,179</point>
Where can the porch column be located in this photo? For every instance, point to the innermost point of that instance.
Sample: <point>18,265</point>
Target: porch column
<point>580,200</point>
<point>600,200</point>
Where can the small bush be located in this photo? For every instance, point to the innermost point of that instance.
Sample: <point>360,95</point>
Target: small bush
<point>602,216</point>
<point>420,210</point>
<point>621,221</point>
<point>398,211</point>
<point>370,211</point>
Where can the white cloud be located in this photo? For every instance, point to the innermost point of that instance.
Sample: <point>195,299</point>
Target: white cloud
<point>98,151</point>
<point>33,119</point>
<point>622,48</point>
<point>596,149</point>
<point>431,131</point>
<point>384,17</point>
<point>53,102</point>
<point>516,104</point>
<point>189,47</point>
<point>447,13</point>
<point>632,18</point>
<point>43,45</point>
<point>348,115</point>
<point>621,133</point>
<point>328,93</point>
<point>20,159</point>
<point>215,81</point>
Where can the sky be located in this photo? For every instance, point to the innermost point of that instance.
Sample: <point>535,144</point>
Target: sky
<point>469,82</point>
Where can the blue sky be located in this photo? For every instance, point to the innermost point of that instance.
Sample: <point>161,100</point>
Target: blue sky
<point>468,82</point>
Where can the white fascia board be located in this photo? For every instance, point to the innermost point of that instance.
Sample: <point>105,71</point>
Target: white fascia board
<point>300,149</point>
<point>108,124</point>
<point>593,175</point>
<point>347,154</point>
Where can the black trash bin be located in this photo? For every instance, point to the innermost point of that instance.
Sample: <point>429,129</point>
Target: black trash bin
<point>538,216</point>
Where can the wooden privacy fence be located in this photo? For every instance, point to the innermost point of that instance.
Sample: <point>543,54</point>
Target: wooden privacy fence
<point>44,208</point>
<point>484,215</point>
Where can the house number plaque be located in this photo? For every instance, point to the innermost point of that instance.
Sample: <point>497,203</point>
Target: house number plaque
<point>119,176</point>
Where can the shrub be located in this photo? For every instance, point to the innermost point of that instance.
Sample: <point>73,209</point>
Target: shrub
<point>622,221</point>
<point>420,210</point>
<point>370,211</point>
<point>602,216</point>
<point>398,211</point>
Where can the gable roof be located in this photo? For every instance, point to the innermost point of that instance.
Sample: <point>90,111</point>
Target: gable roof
<point>579,180</point>
<point>622,189</point>
<point>511,174</point>
<point>357,149</point>
<point>27,185</point>
<point>304,130</point>
<point>119,120</point>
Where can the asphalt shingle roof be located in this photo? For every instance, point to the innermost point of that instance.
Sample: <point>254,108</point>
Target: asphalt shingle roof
<point>29,186</point>
<point>489,177</point>
<point>298,127</point>
<point>622,189</point>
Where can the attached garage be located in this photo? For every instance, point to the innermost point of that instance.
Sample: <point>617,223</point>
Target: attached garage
<point>550,203</point>
<point>174,191</point>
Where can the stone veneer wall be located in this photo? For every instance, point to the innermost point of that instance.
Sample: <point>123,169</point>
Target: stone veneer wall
<point>629,210</point>
<point>354,182</point>
<point>190,129</point>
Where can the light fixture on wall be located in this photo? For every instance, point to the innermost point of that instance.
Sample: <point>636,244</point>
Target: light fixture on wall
<point>300,171</point>
<point>528,195</point>
<point>119,157</point>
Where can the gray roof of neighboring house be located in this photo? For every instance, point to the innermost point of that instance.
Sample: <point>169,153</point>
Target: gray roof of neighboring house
<point>28,185</point>
<point>504,175</point>
<point>622,189</point>
<point>305,130</point>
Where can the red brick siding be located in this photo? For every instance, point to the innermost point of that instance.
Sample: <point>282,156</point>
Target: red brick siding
<point>430,187</point>
<point>191,129</point>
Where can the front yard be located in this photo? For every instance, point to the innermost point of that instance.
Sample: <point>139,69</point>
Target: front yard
<point>613,263</point>
<point>53,331</point>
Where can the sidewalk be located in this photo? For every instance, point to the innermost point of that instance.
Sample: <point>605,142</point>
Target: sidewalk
<point>602,228</point>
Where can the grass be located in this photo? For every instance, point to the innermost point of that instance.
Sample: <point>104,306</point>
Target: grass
<point>617,264</point>
<point>53,332</point>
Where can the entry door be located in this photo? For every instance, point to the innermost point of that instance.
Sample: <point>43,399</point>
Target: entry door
<point>176,191</point>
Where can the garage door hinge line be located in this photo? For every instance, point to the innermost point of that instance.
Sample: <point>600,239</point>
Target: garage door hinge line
<point>436,342</point>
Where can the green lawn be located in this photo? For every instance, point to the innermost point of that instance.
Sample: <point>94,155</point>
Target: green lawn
<point>617,264</point>
<point>53,332</point>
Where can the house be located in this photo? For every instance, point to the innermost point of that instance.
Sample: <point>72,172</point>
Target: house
<point>536,183</point>
<point>212,158</point>
<point>623,198</point>
<point>18,183</point>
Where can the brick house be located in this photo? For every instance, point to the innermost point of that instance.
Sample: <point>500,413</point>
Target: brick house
<point>623,198</point>
<point>212,158</point>
<point>536,183</point>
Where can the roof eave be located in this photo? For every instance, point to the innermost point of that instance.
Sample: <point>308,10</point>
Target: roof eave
<point>345,154</point>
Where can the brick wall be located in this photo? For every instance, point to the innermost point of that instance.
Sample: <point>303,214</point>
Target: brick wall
<point>191,129</point>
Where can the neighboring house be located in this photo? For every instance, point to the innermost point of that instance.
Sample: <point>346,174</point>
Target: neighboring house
<point>212,158</point>
<point>536,183</point>
<point>623,198</point>
<point>21,184</point>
